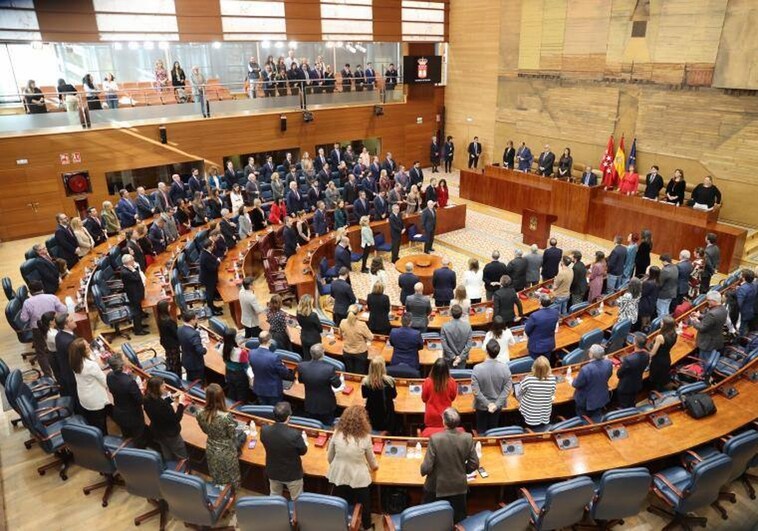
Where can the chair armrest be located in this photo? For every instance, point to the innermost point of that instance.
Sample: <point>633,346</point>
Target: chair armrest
<point>181,466</point>
<point>355,520</point>
<point>388,525</point>
<point>529,498</point>
<point>52,435</point>
<point>587,419</point>
<point>670,485</point>
<point>45,388</point>
<point>121,446</point>
<point>155,352</point>
<point>220,499</point>
<point>37,372</point>
<point>692,454</point>
<point>48,410</point>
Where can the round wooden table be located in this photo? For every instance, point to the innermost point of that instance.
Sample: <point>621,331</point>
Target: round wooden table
<point>423,266</point>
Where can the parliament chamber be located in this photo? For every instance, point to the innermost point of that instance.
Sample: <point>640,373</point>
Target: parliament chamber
<point>345,264</point>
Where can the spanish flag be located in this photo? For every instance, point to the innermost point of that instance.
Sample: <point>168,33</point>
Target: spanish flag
<point>619,163</point>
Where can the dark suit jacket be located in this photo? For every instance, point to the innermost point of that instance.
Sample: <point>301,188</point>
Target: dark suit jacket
<point>443,282</point>
<point>546,161</point>
<point>342,258</point>
<point>428,221</point>
<point>381,207</point>
<point>551,260</point>
<point>319,223</point>
<point>509,154</point>
<point>229,232</point>
<point>361,208</point>
<point>125,210</point>
<point>137,253</point>
<point>294,202</point>
<point>127,400</point>
<point>133,287</point>
<point>396,227</point>
<point>318,377</point>
<point>343,296</point>
<point>49,274</point>
<point>588,179</point>
<point>591,385</point>
<point>709,329</point>
<point>685,270</point>
<point>450,456</point>
<point>269,371</point>
<point>579,284</point>
<point>195,185</point>
<point>67,244</point>
<point>318,162</point>
<point>491,273</point>
<point>192,348</point>
<point>406,281</point>
<point>475,149</point>
<point>208,270</point>
<point>616,260</point>
<point>504,300</point>
<point>336,157</point>
<point>95,227</point>
<point>161,202</point>
<point>430,194</point>
<point>416,176</point>
<point>517,271</point>
<point>144,207</point>
<point>157,237</point>
<point>540,328</point>
<point>406,343</point>
<point>289,234</point>
<point>630,372</point>
<point>653,185</point>
<point>67,381</point>
<point>284,446</point>
<point>176,192</point>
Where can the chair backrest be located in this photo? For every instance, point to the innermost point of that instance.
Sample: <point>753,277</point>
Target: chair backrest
<point>169,377</point>
<point>428,516</point>
<point>620,414</point>
<point>710,364</point>
<point>578,306</point>
<point>29,271</point>
<point>521,365</point>
<point>263,513</point>
<point>187,498</point>
<point>504,430</point>
<point>573,422</point>
<point>141,471</point>
<point>88,447</point>
<point>577,355</point>
<point>412,231</point>
<point>688,389</point>
<point>8,288</point>
<point>621,493</point>
<point>706,480</point>
<point>305,422</point>
<point>13,384</point>
<point>656,324</point>
<point>461,374</point>
<point>12,315</point>
<point>565,502</point>
<point>131,354</point>
<point>294,357</point>
<point>316,512</point>
<point>512,517</point>
<point>340,366</point>
<point>40,432</point>
<point>699,299</point>
<point>263,411</point>
<point>593,337</point>
<point>741,448</point>
<point>618,335</point>
<point>217,325</point>
<point>4,372</point>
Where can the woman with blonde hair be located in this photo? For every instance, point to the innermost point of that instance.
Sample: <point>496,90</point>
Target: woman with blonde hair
<point>356,338</point>
<point>258,215</point>
<point>461,299</point>
<point>110,219</point>
<point>379,390</point>
<point>378,310</point>
<point>351,460</point>
<point>306,164</point>
<point>536,394</point>
<point>83,237</point>
<point>367,241</point>
<point>277,187</point>
<point>161,75</point>
<point>412,201</point>
<point>310,325</point>
<point>221,449</point>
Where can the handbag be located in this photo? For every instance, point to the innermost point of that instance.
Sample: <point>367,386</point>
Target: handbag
<point>699,405</point>
<point>240,438</point>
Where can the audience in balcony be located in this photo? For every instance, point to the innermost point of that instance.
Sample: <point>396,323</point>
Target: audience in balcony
<point>34,100</point>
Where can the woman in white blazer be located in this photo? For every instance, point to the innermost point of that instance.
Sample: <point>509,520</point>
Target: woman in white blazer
<point>83,237</point>
<point>91,385</point>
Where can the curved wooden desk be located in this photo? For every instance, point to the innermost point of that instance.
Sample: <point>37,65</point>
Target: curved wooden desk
<point>423,267</point>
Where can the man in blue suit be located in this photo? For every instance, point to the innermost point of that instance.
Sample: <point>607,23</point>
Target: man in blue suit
<point>381,206</point>
<point>406,343</point>
<point>336,155</point>
<point>342,255</point>
<point>343,295</point>
<point>407,281</point>
<point>267,170</point>
<point>268,372</point>
<point>524,157</point>
<point>319,379</point>
<point>443,282</point>
<point>370,75</point>
<point>591,385</point>
<point>176,192</point>
<point>67,243</point>
<point>294,200</point>
<point>429,222</point>
<point>192,348</point>
<point>125,210</point>
<point>540,329</point>
<point>209,275</point>
<point>319,219</point>
<point>588,178</point>
<point>551,259</point>
<point>361,206</point>
<point>145,207</point>
<point>157,236</point>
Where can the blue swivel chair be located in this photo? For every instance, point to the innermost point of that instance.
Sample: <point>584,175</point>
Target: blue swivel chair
<point>48,410</point>
<point>618,335</point>
<point>380,244</point>
<point>8,288</point>
<point>263,513</point>
<point>521,365</point>
<point>593,337</point>
<point>620,414</point>
<point>461,374</point>
<point>41,386</point>
<point>316,512</point>
<point>578,355</point>
<point>262,411</point>
<point>156,362</point>
<point>560,504</point>
<point>578,307</point>
<point>195,501</point>
<point>425,517</point>
<point>619,494</point>
<point>504,430</point>
<point>305,422</point>
<point>511,517</point>
<point>565,424</point>
<point>414,236</point>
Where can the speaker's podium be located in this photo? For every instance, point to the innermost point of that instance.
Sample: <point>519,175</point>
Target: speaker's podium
<point>535,227</point>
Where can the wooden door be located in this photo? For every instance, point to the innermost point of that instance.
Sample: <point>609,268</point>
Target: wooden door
<point>29,202</point>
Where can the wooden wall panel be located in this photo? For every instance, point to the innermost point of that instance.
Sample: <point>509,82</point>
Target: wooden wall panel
<point>199,20</point>
<point>303,19</point>
<point>387,15</point>
<point>70,21</point>
<point>738,47</point>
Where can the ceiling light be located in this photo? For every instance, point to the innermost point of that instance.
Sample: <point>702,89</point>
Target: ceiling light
<point>279,44</point>
<point>117,46</point>
<point>163,45</point>
<point>361,48</point>
<point>133,45</point>
<point>329,44</point>
<point>148,45</point>
<point>265,45</point>
<point>293,45</point>
<point>216,45</point>
<point>339,44</point>
<point>37,45</point>
<point>350,48</point>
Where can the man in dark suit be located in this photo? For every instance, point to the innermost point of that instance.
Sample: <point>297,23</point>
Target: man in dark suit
<point>685,268</point>
<point>176,192</point>
<point>524,158</point>
<point>228,228</point>
<point>579,284</point>
<point>545,162</point>
<point>429,223</point>
<point>268,169</point>
<point>342,256</point>
<point>209,275</point>
<point>319,379</point>
<point>133,248</point>
<point>430,194</point>
<point>47,269</point>
<point>505,299</point>
<point>416,175</point>
<point>191,345</point>
<point>294,199</point>
<point>162,198</point>
<point>127,408</point>
<point>66,326</point>
<point>474,152</point>
<point>324,176</point>
<point>230,175</point>
<point>444,283</point>
<point>540,329</point>
<point>591,392</point>
<point>517,270</point>
<point>407,281</point>
<point>397,229</point>
<point>370,74</point>
<point>135,292</point>
<point>268,372</point>
<point>361,206</point>
<point>350,193</point>
<point>389,165</point>
<point>551,260</point>
<point>250,167</point>
<point>615,263</point>
<point>375,169</point>
<point>126,210</point>
<point>450,457</point>
<point>653,183</point>
<point>342,293</point>
<point>319,219</point>
<point>320,161</point>
<point>588,178</point>
<point>381,206</point>
<point>347,78</point>
<point>67,243</point>
<point>157,235</point>
<point>492,273</point>
<point>509,154</point>
<point>406,343</point>
<point>390,77</point>
<point>336,155</point>
<point>145,208</point>
<point>284,447</point>
<point>631,371</point>
<point>314,194</point>
<point>94,226</point>
<point>710,326</point>
<point>195,183</point>
<point>289,235</point>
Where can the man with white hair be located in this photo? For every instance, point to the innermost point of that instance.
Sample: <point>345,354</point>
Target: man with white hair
<point>419,306</point>
<point>444,281</point>
<point>407,282</point>
<point>134,288</point>
<point>533,265</point>
<point>710,326</point>
<point>429,223</point>
<point>591,393</point>
<point>685,271</point>
<point>545,162</point>
<point>517,270</point>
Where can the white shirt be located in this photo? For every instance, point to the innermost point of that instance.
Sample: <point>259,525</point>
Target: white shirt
<point>506,340</point>
<point>381,276</point>
<point>250,308</point>
<point>110,86</point>
<point>237,201</point>
<point>91,386</point>
<point>50,339</point>
<point>473,282</point>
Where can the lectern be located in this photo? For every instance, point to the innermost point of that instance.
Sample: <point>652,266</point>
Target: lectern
<point>535,227</point>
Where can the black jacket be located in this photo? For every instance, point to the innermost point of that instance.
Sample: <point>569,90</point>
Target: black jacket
<point>164,421</point>
<point>127,400</point>
<point>631,371</point>
<point>67,244</point>
<point>551,259</point>
<point>289,234</point>
<point>579,284</point>
<point>343,296</point>
<point>378,313</point>
<point>428,221</point>
<point>167,329</point>
<point>96,229</point>
<point>616,260</point>
<point>396,227</point>
<point>492,273</point>
<point>505,299</point>
<point>517,271</point>
<point>284,446</point>
<point>136,251</point>
<point>192,348</point>
<point>49,274</point>
<point>406,281</point>
<point>509,154</point>
<point>67,380</point>
<point>443,282</point>
<point>208,269</point>
<point>133,287</point>
<point>318,377</point>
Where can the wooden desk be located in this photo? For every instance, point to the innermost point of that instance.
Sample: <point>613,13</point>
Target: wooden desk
<point>423,267</point>
<point>603,214</point>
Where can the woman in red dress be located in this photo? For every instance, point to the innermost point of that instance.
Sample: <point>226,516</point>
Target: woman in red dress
<point>438,392</point>
<point>442,194</point>
<point>278,212</point>
<point>630,182</point>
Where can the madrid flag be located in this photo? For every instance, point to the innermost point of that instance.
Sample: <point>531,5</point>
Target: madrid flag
<point>619,163</point>
<point>606,165</point>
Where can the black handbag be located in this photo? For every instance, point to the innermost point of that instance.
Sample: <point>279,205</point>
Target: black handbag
<point>699,405</point>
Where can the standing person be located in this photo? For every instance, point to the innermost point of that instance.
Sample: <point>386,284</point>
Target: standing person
<point>698,267</point>
<point>380,392</point>
<point>710,326</point>
<point>597,276</point>
<point>48,332</point>
<point>356,338</point>
<point>616,262</point>
<point>378,304</point>
<point>419,307</point>
<point>536,394</point>
<point>669,281</point>
<point>351,460</point>
<point>448,153</point>
<point>660,355</point>
<point>460,297</point>
<point>91,385</point>
<point>450,457</point>
<point>127,401</point>
<point>310,325</point>
<point>517,270</point>
<point>474,152</point>
<point>491,385</point>
<point>221,448</point>
<point>67,244</point>
<point>32,310</point>
<point>456,339</point>
<point>178,78</point>
<point>167,330</point>
<point>367,242</point>
<point>746,299</point>
<point>472,281</point>
<point>284,450</point>
<point>443,194</point>
<point>209,275</point>
<point>540,329</point>
<point>134,288</point>
<point>551,259</point>
<point>66,326</point>
<point>166,419</point>
<point>684,267</point>
<point>653,184</point>
<point>676,188</point>
<point>545,162</point>
<point>277,323</point>
<point>268,372</point>
<point>236,364</point>
<point>712,262</point>
<point>429,223</point>
<point>319,379</point>
<point>630,182</point>
<point>506,302</point>
<point>649,297</point>
<point>629,303</point>
<point>342,293</point>
<point>631,255</point>
<point>397,229</point>
<point>631,372</point>
<point>562,285</point>
<point>92,93</point>
<point>565,165</point>
<point>492,274</point>
<point>591,392</point>
<point>434,154</point>
<point>67,94</point>
<point>406,343</point>
<point>579,282</point>
<point>533,265</point>
<point>524,158</point>
<point>509,155</point>
<point>438,392</point>
<point>444,281</point>
<point>503,336</point>
<point>642,259</point>
<point>192,348</point>
<point>83,238</point>
<point>406,281</point>
<point>197,82</point>
<point>250,308</point>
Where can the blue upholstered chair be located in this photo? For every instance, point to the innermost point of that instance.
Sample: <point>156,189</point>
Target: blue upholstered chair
<point>578,355</point>
<point>618,335</point>
<point>305,422</point>
<point>426,517</point>
<point>521,365</point>
<point>560,504</point>
<point>48,410</point>
<point>263,513</point>
<point>132,355</point>
<point>684,491</point>
<point>593,337</point>
<point>619,494</point>
<point>194,501</point>
<point>573,422</point>
<point>287,355</point>
<point>461,374</point>
<point>338,365</point>
<point>8,288</point>
<point>262,411</point>
<point>380,244</point>
<point>511,517</point>
<point>414,236</point>
<point>504,430</point>
<point>619,414</point>
<point>41,386</point>
<point>217,326</point>
<point>316,512</point>
<point>578,307</point>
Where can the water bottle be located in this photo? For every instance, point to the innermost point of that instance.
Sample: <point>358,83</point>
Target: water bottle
<point>568,373</point>
<point>479,449</point>
<point>602,307</point>
<point>70,305</point>
<point>305,438</point>
<point>253,429</point>
<point>418,450</point>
